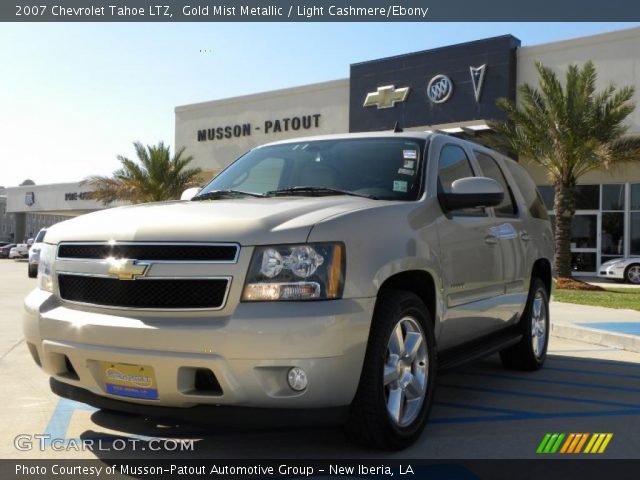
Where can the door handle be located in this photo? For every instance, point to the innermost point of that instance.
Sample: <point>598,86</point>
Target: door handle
<point>524,236</point>
<point>491,240</point>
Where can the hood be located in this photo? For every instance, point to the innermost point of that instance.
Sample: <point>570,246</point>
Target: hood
<point>248,221</point>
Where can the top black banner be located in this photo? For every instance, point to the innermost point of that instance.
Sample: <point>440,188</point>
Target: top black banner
<point>318,11</point>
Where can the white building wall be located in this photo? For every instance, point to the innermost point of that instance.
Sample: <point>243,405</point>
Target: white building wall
<point>330,100</point>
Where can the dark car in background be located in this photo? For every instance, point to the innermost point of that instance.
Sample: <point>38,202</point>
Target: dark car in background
<point>5,249</point>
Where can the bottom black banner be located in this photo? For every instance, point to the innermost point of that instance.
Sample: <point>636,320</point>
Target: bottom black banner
<point>410,469</point>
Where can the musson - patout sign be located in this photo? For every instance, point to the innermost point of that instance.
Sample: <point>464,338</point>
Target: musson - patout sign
<point>288,124</point>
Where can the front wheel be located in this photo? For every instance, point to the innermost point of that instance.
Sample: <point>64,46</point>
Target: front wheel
<point>396,388</point>
<point>33,271</point>
<point>632,274</point>
<point>531,352</point>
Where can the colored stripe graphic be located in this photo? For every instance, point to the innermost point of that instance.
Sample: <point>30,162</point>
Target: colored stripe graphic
<point>573,443</point>
<point>598,443</point>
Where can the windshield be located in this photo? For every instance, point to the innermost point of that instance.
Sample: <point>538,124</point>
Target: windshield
<point>40,236</point>
<point>381,168</point>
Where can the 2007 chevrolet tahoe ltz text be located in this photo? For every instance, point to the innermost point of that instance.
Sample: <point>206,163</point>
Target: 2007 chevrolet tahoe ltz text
<point>330,275</point>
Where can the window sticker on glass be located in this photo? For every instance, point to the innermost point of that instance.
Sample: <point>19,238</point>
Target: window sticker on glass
<point>405,171</point>
<point>399,186</point>
<point>409,164</point>
<point>410,154</point>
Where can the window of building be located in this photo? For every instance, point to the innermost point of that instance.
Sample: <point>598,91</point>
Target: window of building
<point>491,169</point>
<point>548,194</point>
<point>612,234</point>
<point>613,197</point>
<point>634,219</point>
<point>587,197</point>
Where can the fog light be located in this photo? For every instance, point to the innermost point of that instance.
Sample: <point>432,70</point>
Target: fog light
<point>297,379</point>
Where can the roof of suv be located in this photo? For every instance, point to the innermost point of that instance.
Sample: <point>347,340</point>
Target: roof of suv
<point>343,136</point>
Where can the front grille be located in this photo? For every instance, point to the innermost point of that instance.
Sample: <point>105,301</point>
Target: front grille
<point>152,294</point>
<point>155,251</point>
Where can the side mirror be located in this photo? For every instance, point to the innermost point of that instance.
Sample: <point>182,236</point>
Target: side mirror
<point>189,193</point>
<point>471,192</point>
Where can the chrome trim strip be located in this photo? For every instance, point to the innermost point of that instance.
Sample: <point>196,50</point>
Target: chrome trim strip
<point>165,244</point>
<point>145,309</point>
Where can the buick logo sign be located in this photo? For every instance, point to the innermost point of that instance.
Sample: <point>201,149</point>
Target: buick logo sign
<point>440,89</point>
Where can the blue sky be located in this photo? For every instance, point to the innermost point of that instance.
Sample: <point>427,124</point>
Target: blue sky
<point>74,96</point>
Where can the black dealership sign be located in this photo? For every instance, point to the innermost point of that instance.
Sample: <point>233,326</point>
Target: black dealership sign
<point>445,85</point>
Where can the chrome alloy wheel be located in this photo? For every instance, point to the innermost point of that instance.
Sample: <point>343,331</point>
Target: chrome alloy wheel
<point>538,324</point>
<point>405,371</point>
<point>633,274</point>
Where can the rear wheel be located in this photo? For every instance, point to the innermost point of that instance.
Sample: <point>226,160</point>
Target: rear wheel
<point>396,388</point>
<point>632,273</point>
<point>531,352</point>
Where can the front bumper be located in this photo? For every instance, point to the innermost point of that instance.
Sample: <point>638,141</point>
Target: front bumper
<point>250,351</point>
<point>614,273</point>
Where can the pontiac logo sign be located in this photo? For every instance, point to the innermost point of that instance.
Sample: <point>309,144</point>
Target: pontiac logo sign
<point>440,89</point>
<point>477,78</point>
<point>386,97</point>
<point>126,269</point>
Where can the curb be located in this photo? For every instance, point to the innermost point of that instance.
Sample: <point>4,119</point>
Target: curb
<point>622,341</point>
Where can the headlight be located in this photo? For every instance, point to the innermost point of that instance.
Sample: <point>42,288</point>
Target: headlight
<point>296,272</point>
<point>45,267</point>
<point>618,265</point>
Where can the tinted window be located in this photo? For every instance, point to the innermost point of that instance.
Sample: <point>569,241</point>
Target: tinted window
<point>532,198</point>
<point>453,165</point>
<point>491,169</point>
<point>40,236</point>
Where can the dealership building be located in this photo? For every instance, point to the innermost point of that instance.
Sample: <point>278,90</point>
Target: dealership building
<point>452,89</point>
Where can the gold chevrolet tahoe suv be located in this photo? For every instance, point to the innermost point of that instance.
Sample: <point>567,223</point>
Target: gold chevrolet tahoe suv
<point>318,278</point>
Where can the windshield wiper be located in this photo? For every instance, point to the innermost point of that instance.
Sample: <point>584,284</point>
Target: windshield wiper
<point>215,194</point>
<point>316,190</point>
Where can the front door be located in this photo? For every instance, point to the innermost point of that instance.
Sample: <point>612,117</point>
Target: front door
<point>471,257</point>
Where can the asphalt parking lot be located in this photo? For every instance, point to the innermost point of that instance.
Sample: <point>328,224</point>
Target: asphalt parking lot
<point>480,411</point>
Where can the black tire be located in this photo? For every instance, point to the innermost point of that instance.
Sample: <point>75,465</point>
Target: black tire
<point>626,274</point>
<point>33,271</point>
<point>371,423</point>
<point>522,356</point>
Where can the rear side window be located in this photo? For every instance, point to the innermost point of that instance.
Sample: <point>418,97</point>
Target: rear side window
<point>532,198</point>
<point>491,169</point>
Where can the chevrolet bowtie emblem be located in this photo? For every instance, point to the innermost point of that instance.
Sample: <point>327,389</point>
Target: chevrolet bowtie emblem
<point>126,269</point>
<point>386,97</point>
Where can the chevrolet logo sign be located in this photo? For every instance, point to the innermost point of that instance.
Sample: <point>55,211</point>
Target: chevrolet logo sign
<point>126,269</point>
<point>386,97</point>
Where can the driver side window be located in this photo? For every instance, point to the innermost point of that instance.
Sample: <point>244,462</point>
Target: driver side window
<point>454,164</point>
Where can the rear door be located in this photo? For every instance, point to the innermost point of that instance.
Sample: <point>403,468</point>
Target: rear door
<point>512,236</point>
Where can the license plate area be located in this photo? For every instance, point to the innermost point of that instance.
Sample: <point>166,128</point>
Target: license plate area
<point>129,380</point>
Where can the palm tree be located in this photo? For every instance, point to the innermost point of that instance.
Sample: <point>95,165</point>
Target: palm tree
<point>154,177</point>
<point>569,130</point>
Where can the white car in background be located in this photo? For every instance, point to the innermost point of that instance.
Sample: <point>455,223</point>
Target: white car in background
<point>621,269</point>
<point>21,250</point>
<point>34,253</point>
